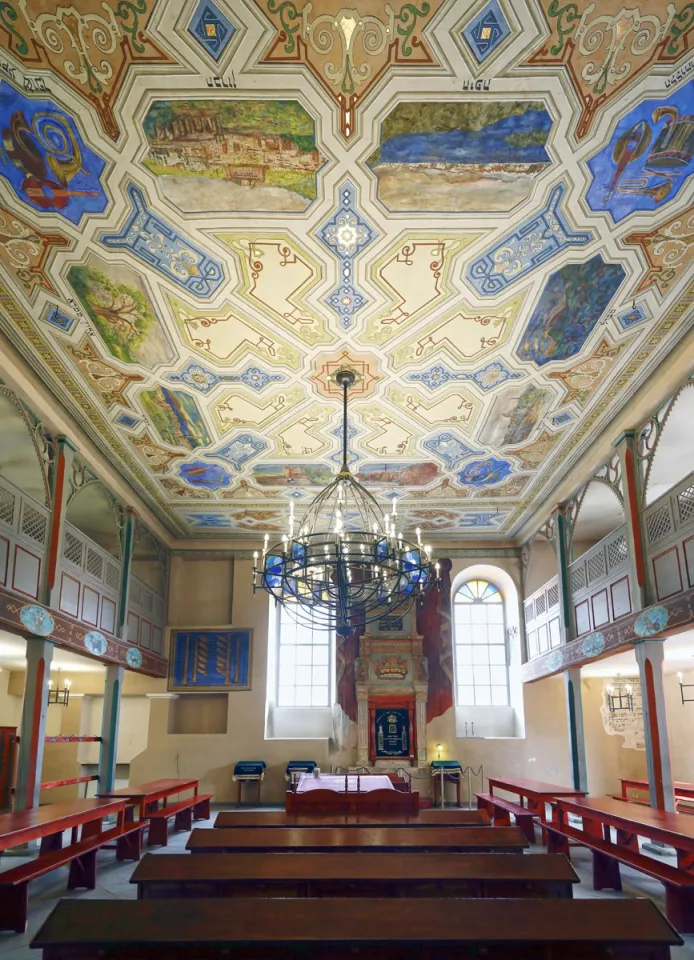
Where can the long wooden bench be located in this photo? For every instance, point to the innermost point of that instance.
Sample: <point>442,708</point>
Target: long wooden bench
<point>371,840</point>
<point>353,874</point>
<point>184,812</point>
<point>499,811</point>
<point>81,856</point>
<point>681,803</point>
<point>395,929</point>
<point>679,886</point>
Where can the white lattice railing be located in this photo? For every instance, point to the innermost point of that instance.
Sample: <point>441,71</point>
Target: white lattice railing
<point>541,613</point>
<point>599,583</point>
<point>668,529</point>
<point>89,580</point>
<point>146,616</point>
<point>24,524</point>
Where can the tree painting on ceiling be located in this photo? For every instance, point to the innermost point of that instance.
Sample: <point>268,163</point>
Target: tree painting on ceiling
<point>224,155</point>
<point>569,307</point>
<point>119,306</point>
<point>480,155</point>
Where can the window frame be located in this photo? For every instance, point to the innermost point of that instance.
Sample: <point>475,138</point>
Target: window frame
<point>458,644</point>
<point>331,645</point>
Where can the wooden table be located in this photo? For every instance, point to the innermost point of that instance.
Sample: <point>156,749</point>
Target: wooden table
<point>683,792</point>
<point>682,788</point>
<point>48,823</point>
<point>316,839</point>
<point>534,794</point>
<point>353,874</point>
<point>342,928</point>
<point>599,814</point>
<point>150,793</point>
<point>229,819</point>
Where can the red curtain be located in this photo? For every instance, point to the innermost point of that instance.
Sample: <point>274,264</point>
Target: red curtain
<point>434,624</point>
<point>347,651</point>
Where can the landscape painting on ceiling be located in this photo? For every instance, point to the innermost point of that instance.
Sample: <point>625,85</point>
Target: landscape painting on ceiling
<point>399,474</point>
<point>514,415</point>
<point>648,159</point>
<point>175,416</point>
<point>297,474</point>
<point>225,155</point>
<point>572,302</point>
<point>117,302</point>
<point>461,156</point>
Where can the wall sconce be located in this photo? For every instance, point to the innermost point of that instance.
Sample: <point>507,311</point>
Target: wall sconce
<point>620,698</point>
<point>683,687</point>
<point>439,748</point>
<point>59,696</point>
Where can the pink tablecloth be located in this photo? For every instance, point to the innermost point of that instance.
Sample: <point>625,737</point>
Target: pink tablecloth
<point>333,781</point>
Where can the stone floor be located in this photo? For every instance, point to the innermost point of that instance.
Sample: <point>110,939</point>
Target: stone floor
<point>113,883</point>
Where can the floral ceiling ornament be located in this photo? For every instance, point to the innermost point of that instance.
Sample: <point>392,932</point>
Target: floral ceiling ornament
<point>604,51</point>
<point>91,52</point>
<point>349,48</point>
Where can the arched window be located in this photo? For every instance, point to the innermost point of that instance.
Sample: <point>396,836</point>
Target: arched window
<point>481,655</point>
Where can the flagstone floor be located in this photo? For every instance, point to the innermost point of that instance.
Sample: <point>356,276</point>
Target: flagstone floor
<point>113,883</point>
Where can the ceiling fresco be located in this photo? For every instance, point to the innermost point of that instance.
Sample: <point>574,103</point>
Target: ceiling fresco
<point>485,209</point>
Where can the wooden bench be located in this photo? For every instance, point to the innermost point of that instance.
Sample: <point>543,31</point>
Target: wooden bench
<point>681,803</point>
<point>679,886</point>
<point>499,811</point>
<point>81,856</point>
<point>395,929</point>
<point>371,840</point>
<point>281,820</point>
<point>353,875</point>
<point>184,812</point>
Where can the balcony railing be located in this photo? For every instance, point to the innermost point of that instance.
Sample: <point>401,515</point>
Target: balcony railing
<point>23,538</point>
<point>89,581</point>
<point>541,612</point>
<point>146,616</point>
<point>599,583</point>
<point>668,525</point>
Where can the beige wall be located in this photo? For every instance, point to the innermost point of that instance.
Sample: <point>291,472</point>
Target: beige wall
<point>680,720</point>
<point>10,704</point>
<point>202,592</point>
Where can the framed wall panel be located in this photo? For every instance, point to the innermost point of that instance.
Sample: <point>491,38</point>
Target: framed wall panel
<point>26,572</point>
<point>600,607</point>
<point>69,595</point>
<point>210,658</point>
<point>667,573</point>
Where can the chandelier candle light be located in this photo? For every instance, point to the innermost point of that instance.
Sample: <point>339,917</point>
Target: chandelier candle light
<point>348,563</point>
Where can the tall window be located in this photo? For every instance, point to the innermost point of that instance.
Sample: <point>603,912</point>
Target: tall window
<point>481,658</point>
<point>305,663</point>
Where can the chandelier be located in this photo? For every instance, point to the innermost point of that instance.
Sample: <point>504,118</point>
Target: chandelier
<point>346,562</point>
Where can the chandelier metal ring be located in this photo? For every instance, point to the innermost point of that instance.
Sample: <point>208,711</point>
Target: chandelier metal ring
<point>348,564</point>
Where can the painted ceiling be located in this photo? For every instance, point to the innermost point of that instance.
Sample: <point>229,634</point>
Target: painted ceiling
<point>484,209</point>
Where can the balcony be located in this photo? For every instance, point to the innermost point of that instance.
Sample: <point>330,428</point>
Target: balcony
<point>599,583</point>
<point>668,525</point>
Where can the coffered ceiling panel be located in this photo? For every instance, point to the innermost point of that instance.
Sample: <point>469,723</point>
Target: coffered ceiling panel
<point>484,209</point>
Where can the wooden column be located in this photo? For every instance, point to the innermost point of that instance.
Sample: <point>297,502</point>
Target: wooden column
<point>113,688</point>
<point>632,491</point>
<point>33,730</point>
<point>649,656</point>
<point>127,545</point>
<point>561,546</point>
<point>61,467</point>
<point>574,716</point>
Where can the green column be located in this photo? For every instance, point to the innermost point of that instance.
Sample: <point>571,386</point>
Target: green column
<point>127,544</point>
